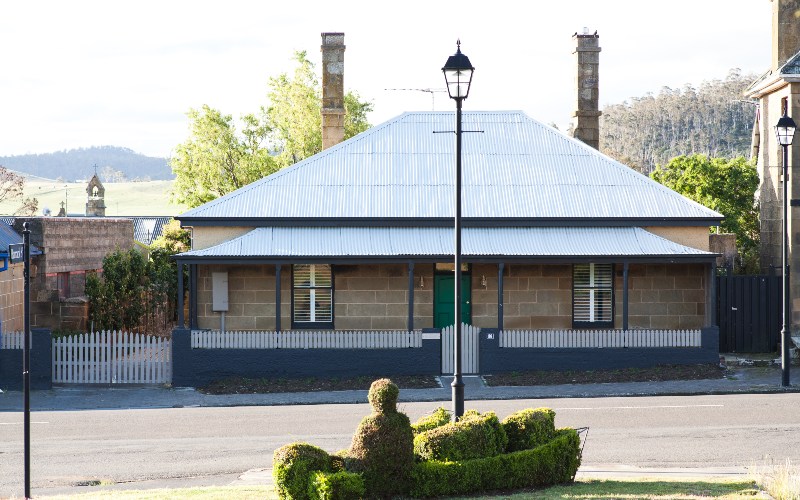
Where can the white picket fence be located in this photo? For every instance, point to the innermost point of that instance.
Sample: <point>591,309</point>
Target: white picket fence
<point>470,360</point>
<point>600,338</point>
<point>302,339</point>
<point>12,340</point>
<point>112,358</point>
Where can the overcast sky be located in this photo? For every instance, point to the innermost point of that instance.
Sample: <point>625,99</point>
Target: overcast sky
<point>122,73</point>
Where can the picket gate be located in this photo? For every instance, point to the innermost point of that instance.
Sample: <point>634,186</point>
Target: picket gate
<point>470,360</point>
<point>113,357</point>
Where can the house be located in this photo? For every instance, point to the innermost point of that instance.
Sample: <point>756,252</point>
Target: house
<point>556,236</point>
<point>564,249</point>
<point>776,93</point>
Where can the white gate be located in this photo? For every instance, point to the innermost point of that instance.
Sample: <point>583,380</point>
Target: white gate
<point>112,358</point>
<point>470,337</point>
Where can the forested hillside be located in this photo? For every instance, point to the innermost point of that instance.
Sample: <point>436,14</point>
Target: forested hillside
<point>114,164</point>
<point>713,120</point>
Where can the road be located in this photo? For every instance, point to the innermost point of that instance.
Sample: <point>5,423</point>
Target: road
<point>78,447</point>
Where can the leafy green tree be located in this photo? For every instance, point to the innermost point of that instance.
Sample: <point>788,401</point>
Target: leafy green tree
<point>163,270</point>
<point>117,297</point>
<point>295,113</point>
<point>725,185</point>
<point>216,159</point>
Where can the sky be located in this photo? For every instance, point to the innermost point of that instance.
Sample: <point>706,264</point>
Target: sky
<point>124,73</point>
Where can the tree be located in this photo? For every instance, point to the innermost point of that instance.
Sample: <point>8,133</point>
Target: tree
<point>12,188</point>
<point>725,185</point>
<point>712,119</point>
<point>163,270</point>
<point>117,297</point>
<point>216,160</point>
<point>295,113</point>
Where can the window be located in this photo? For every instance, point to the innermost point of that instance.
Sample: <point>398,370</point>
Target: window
<point>593,295</point>
<point>63,285</point>
<point>312,296</point>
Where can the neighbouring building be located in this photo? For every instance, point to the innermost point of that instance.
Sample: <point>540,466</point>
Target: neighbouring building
<point>777,92</point>
<point>70,248</point>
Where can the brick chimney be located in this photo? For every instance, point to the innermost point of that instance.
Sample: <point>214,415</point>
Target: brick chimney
<point>332,89</point>
<point>586,119</point>
<point>785,31</point>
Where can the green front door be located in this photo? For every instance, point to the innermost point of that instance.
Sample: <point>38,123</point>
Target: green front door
<point>444,294</point>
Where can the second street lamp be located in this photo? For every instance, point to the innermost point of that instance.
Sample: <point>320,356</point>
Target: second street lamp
<point>458,76</point>
<point>784,131</point>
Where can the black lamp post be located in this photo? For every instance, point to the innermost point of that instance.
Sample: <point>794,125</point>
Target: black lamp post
<point>458,76</point>
<point>784,130</point>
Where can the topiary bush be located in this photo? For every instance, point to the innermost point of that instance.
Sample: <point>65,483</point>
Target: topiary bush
<point>382,449</point>
<point>474,436</point>
<point>340,485</point>
<point>438,418</point>
<point>293,466</point>
<point>552,463</point>
<point>529,428</point>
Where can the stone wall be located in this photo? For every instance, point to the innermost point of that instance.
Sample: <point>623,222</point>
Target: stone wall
<point>375,297</point>
<point>670,296</point>
<point>11,297</point>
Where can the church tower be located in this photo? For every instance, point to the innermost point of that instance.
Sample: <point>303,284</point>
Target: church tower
<point>95,201</point>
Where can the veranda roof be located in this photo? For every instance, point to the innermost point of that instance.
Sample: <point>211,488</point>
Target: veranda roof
<point>498,244</point>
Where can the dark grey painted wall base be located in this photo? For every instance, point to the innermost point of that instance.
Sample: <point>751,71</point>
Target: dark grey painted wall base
<point>197,367</point>
<point>494,359</point>
<point>41,359</point>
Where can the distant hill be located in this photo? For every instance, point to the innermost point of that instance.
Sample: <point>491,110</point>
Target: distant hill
<point>114,164</point>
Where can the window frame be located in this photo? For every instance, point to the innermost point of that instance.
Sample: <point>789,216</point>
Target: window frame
<point>312,325</point>
<point>594,324</point>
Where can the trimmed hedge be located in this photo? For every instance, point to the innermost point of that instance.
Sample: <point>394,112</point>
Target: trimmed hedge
<point>552,463</point>
<point>474,436</point>
<point>382,449</point>
<point>293,466</point>
<point>529,428</point>
<point>438,418</point>
<point>340,485</point>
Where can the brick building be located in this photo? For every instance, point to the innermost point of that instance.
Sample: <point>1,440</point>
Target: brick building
<point>71,247</point>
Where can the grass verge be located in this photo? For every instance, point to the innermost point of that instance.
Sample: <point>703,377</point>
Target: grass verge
<point>581,489</point>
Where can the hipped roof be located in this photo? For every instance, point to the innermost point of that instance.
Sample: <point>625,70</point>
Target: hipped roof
<point>516,171</point>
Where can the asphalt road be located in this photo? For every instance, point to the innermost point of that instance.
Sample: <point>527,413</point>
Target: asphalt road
<point>145,447</point>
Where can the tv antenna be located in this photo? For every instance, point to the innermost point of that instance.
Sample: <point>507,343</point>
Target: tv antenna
<point>432,92</point>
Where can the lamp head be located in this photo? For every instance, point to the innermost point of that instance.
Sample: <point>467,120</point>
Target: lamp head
<point>458,74</point>
<point>784,130</point>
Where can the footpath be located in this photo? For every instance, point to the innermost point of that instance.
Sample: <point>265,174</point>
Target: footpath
<point>742,377</point>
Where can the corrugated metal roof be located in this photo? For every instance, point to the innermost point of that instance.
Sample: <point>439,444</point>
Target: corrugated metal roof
<point>292,242</point>
<point>516,167</point>
<point>10,237</point>
<point>147,229</point>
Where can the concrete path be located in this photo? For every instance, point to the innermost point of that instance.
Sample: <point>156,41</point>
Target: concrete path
<point>744,379</point>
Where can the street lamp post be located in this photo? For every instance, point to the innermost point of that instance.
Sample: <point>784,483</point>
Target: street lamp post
<point>784,131</point>
<point>458,76</point>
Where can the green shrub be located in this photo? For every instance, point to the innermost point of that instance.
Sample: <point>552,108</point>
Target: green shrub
<point>293,466</point>
<point>383,445</point>
<point>383,396</point>
<point>552,463</point>
<point>438,418</point>
<point>336,486</point>
<point>529,428</point>
<point>474,436</point>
